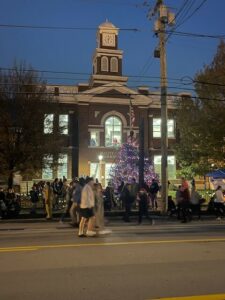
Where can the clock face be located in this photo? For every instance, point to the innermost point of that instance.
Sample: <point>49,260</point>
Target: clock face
<point>108,39</point>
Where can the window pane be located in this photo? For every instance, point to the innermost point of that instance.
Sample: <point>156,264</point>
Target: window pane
<point>94,138</point>
<point>63,123</point>
<point>104,64</point>
<point>47,172</point>
<point>171,128</point>
<point>108,167</point>
<point>62,165</point>
<point>113,132</point>
<point>94,170</point>
<point>157,128</point>
<point>48,123</point>
<point>114,64</point>
<point>171,166</point>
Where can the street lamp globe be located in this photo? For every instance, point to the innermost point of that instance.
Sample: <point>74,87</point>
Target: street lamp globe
<point>100,157</point>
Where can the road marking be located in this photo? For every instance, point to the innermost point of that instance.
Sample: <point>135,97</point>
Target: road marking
<point>17,250</point>
<point>155,242</point>
<point>202,297</point>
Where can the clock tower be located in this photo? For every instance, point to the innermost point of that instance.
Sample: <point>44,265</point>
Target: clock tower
<point>107,59</point>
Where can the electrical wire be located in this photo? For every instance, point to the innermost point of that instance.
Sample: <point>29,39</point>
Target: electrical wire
<point>58,27</point>
<point>189,34</point>
<point>180,80</point>
<point>188,17</point>
<point>182,21</point>
<point>113,94</point>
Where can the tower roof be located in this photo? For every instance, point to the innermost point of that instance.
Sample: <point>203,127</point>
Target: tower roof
<point>107,24</point>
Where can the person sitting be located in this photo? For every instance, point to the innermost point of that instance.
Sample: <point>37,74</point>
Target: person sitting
<point>171,206</point>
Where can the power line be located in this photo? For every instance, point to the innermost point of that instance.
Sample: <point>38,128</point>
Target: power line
<point>189,34</point>
<point>58,27</point>
<point>180,80</point>
<point>181,13</point>
<point>112,94</point>
<point>77,73</point>
<point>188,17</point>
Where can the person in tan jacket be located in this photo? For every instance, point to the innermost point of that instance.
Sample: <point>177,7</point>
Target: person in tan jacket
<point>48,197</point>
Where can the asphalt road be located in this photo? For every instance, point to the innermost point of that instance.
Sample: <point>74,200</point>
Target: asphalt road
<point>48,261</point>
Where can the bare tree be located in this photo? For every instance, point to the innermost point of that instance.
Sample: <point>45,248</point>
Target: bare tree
<point>24,103</point>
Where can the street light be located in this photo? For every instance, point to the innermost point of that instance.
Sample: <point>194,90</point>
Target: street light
<point>100,157</point>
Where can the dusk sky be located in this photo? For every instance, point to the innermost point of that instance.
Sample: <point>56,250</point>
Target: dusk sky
<point>71,50</point>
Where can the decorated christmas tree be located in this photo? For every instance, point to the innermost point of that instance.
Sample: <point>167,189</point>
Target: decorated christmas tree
<point>126,165</point>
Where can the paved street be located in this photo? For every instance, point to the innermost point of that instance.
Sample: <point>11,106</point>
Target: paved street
<point>48,261</point>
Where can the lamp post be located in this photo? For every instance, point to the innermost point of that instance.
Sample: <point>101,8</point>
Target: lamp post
<point>100,158</point>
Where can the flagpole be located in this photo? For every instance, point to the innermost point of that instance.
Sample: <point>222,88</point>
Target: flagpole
<point>130,116</point>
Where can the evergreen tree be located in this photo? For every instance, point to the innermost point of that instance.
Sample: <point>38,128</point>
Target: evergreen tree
<point>126,165</point>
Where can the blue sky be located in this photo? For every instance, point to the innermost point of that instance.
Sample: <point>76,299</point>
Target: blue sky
<point>71,51</point>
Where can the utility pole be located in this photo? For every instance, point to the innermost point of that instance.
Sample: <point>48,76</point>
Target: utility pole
<point>164,18</point>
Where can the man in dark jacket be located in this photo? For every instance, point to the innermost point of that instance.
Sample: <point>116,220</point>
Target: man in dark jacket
<point>153,190</point>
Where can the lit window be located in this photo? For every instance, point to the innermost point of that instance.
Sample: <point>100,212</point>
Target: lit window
<point>104,64</point>
<point>157,128</point>
<point>108,170</point>
<point>113,132</point>
<point>94,138</point>
<point>48,123</point>
<point>63,123</point>
<point>47,172</point>
<point>62,165</point>
<point>171,165</point>
<point>94,170</point>
<point>114,64</point>
<point>171,128</point>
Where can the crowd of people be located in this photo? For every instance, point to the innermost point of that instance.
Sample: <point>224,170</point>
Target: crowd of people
<point>85,201</point>
<point>188,202</point>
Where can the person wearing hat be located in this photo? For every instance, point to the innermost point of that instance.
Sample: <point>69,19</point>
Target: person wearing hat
<point>87,209</point>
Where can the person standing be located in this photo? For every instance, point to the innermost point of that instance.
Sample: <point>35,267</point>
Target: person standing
<point>153,190</point>
<point>133,189</point>
<point>219,203</point>
<point>56,192</point>
<point>48,197</point>
<point>195,199</point>
<point>87,209</point>
<point>3,207</point>
<point>34,197</point>
<point>185,202</point>
<point>76,199</point>
<point>125,197</point>
<point>109,197</point>
<point>143,204</point>
<point>178,201</point>
<point>68,197</point>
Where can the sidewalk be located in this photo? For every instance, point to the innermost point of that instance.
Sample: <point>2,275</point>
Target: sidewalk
<point>112,216</point>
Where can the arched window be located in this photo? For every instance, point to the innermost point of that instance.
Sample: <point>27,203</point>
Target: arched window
<point>113,132</point>
<point>104,64</point>
<point>114,64</point>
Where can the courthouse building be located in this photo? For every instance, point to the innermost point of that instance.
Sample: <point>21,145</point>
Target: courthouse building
<point>96,116</point>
